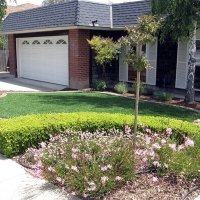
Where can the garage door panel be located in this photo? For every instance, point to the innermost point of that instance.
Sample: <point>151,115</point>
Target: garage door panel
<point>44,62</point>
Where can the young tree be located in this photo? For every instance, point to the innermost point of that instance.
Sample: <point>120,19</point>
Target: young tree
<point>50,2</point>
<point>137,36</point>
<point>180,18</point>
<point>106,51</point>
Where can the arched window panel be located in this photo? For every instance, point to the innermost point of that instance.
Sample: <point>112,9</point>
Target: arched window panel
<point>61,41</point>
<point>48,42</point>
<point>36,42</point>
<point>25,42</point>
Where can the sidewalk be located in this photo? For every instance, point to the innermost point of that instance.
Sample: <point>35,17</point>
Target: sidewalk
<point>17,184</point>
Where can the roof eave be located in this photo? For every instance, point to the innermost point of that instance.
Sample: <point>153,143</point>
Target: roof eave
<point>61,28</point>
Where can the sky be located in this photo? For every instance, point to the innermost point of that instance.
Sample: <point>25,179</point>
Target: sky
<point>39,2</point>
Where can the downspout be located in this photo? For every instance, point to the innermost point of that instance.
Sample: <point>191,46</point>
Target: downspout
<point>111,16</point>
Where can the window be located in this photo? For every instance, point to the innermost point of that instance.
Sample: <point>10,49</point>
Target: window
<point>36,42</point>
<point>25,42</point>
<point>132,75</point>
<point>48,42</point>
<point>61,42</point>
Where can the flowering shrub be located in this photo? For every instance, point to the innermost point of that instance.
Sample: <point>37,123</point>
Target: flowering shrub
<point>167,155</point>
<point>88,164</point>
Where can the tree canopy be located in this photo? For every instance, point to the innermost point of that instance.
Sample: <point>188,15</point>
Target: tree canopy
<point>3,6</point>
<point>50,2</point>
<point>179,17</point>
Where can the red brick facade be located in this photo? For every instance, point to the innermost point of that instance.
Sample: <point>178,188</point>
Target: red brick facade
<point>12,54</point>
<point>79,59</point>
<point>79,56</point>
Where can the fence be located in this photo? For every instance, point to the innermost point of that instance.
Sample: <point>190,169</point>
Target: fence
<point>3,60</point>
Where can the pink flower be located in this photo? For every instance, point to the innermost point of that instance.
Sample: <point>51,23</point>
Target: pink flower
<point>92,186</point>
<point>118,178</point>
<point>85,195</point>
<point>43,144</point>
<point>180,147</point>
<point>189,142</point>
<point>66,166</point>
<point>145,159</point>
<point>163,141</point>
<point>74,150</point>
<point>138,152</point>
<point>156,164</point>
<point>104,168</point>
<point>169,131</point>
<point>51,169</point>
<point>73,193</point>
<point>166,165</point>
<point>74,156</point>
<point>156,146</point>
<point>127,129</point>
<point>148,130</point>
<point>155,179</point>
<point>75,168</point>
<point>109,166</point>
<point>173,147</point>
<point>104,179</point>
<point>148,140</point>
<point>59,179</point>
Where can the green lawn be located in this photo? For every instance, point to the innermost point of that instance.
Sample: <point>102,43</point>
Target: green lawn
<point>17,104</point>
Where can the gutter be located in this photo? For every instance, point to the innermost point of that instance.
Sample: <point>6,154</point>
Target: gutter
<point>62,28</point>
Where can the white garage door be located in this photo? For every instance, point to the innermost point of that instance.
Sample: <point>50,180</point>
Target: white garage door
<point>44,59</point>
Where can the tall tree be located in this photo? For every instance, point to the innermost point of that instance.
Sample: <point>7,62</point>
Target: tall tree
<point>3,6</point>
<point>180,19</point>
<point>50,2</point>
<point>137,36</point>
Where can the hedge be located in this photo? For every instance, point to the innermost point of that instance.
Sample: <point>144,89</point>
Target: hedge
<point>18,134</point>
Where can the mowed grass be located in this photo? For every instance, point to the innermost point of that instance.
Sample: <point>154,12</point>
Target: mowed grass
<point>18,104</point>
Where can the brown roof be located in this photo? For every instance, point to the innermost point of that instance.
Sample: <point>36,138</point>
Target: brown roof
<point>26,6</point>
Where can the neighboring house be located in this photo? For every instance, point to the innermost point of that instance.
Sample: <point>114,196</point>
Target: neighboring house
<point>5,51</point>
<point>49,44</point>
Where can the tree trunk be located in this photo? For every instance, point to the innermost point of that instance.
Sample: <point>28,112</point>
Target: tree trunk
<point>137,98</point>
<point>190,94</point>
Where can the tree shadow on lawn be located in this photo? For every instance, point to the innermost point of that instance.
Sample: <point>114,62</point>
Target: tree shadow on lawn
<point>96,102</point>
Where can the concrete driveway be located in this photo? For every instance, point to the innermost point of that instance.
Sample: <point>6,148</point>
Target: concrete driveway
<point>10,83</point>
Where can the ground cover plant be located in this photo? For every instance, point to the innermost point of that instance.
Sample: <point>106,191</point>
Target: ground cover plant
<point>19,104</point>
<point>92,164</point>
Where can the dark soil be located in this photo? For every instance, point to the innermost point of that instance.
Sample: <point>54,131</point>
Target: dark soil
<point>175,101</point>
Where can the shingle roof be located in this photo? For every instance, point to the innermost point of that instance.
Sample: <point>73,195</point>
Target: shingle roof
<point>90,11</point>
<point>57,15</point>
<point>26,6</point>
<point>75,13</point>
<point>126,14</point>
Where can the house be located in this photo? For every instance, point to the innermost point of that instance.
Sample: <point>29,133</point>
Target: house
<point>5,51</point>
<point>49,44</point>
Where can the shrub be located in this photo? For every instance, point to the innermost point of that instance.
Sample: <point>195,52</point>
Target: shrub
<point>162,96</point>
<point>142,87</point>
<point>89,164</point>
<point>121,88</point>
<point>18,134</point>
<point>99,85</point>
<point>167,155</point>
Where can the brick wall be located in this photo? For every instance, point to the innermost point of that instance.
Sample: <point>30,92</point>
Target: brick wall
<point>12,54</point>
<point>79,59</point>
